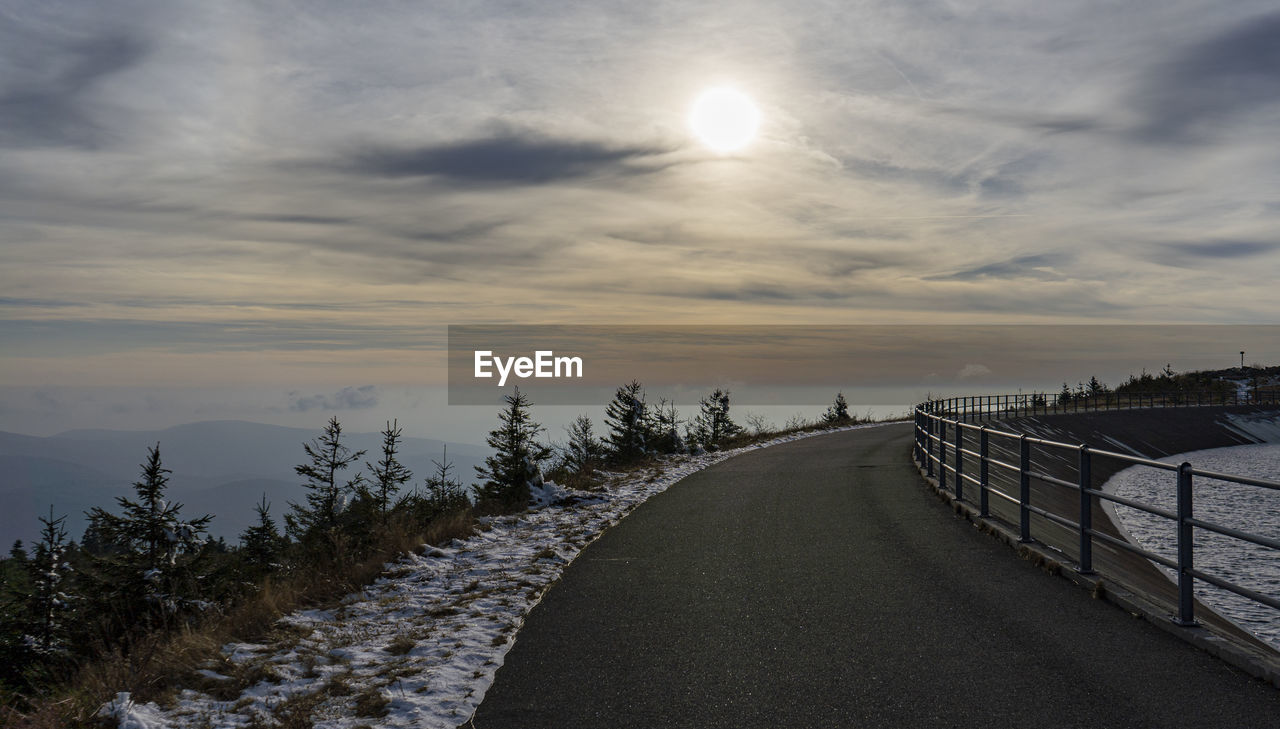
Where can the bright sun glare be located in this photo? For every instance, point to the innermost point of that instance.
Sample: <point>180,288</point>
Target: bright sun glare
<point>724,119</point>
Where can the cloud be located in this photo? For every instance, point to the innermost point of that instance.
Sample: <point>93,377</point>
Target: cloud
<point>1040,122</point>
<point>971,371</point>
<point>501,160</point>
<point>49,102</point>
<point>295,218</point>
<point>1195,255</point>
<point>1224,248</point>
<point>1038,266</point>
<point>1198,90</point>
<point>348,398</point>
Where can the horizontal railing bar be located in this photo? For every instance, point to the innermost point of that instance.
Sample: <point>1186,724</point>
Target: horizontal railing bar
<point>1134,504</point>
<point>1003,495</point>
<point>1055,481</point>
<point>1237,589</point>
<point>1053,517</point>
<point>1133,548</point>
<point>1002,464</point>
<point>1263,482</point>
<point>1257,539</point>
<point>1125,457</point>
<point>971,479</point>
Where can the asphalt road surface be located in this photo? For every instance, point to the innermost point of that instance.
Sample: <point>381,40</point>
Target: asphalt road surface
<point>819,584</point>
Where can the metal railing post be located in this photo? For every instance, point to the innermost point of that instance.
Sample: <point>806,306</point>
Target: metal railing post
<point>929,445</point>
<point>1086,512</point>
<point>959,462</point>
<point>915,434</point>
<point>942,454</point>
<point>1186,583</point>
<point>983,475</point>
<point>1024,488</point>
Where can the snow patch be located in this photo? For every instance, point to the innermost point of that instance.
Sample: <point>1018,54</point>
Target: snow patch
<point>131,715</point>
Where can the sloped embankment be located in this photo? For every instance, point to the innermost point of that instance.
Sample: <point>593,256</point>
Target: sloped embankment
<point>1154,432</point>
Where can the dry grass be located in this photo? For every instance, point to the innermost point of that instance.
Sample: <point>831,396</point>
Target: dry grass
<point>372,703</point>
<point>156,665</point>
<point>401,645</point>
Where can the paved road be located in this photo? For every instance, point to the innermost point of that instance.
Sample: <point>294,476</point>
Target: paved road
<point>818,584</point>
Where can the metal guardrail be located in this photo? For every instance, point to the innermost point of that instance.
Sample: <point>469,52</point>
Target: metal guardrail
<point>941,447</point>
<point>979,407</point>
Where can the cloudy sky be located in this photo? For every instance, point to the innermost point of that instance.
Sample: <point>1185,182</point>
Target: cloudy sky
<point>297,198</point>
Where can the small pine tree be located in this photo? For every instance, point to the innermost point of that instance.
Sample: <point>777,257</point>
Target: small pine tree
<point>1064,397</point>
<point>261,543</point>
<point>444,491</point>
<point>585,451</point>
<point>150,555</point>
<point>664,428</point>
<point>626,417</point>
<point>49,602</point>
<point>838,411</point>
<point>507,476</point>
<point>713,424</point>
<point>389,475</point>
<point>326,497</point>
<point>1096,387</point>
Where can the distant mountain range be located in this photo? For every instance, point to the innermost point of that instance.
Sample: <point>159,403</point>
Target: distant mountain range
<point>219,467</point>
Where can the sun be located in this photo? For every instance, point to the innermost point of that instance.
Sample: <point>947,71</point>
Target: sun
<point>724,119</point>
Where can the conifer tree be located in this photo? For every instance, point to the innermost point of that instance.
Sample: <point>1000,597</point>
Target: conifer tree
<point>444,491</point>
<point>261,543</point>
<point>585,451</point>
<point>664,428</point>
<point>1064,397</point>
<point>713,424</point>
<point>507,475</point>
<point>148,561</point>
<point>49,602</point>
<point>626,417</point>
<point>388,475</point>
<point>838,411</point>
<point>327,497</point>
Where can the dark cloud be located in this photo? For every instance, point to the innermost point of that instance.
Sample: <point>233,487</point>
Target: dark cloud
<point>348,398</point>
<point>9,301</point>
<point>1223,248</point>
<point>45,99</point>
<point>303,219</point>
<point>501,160</point>
<point>1019,267</point>
<point>88,337</point>
<point>1200,89</point>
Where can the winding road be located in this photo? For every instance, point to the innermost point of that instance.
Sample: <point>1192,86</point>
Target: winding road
<point>818,583</point>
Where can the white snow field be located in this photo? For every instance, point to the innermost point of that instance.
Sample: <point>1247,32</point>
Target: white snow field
<point>420,646</point>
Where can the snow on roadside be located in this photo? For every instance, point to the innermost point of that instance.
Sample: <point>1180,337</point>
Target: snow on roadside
<point>420,646</point>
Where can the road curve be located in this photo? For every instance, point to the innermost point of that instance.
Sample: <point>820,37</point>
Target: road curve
<point>819,584</point>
